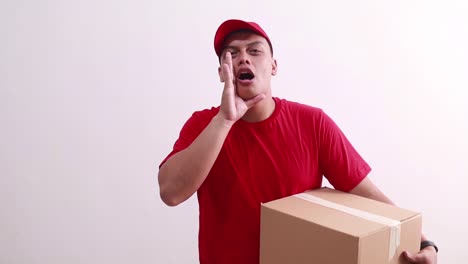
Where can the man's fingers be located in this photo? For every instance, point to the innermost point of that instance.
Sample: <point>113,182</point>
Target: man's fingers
<point>408,256</point>
<point>414,258</point>
<point>226,74</point>
<point>227,68</point>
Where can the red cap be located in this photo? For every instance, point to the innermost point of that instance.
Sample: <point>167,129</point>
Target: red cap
<point>232,25</point>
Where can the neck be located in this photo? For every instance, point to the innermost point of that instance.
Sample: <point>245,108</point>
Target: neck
<point>261,111</point>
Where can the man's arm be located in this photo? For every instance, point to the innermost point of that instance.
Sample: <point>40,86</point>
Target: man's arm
<point>183,173</point>
<point>368,189</point>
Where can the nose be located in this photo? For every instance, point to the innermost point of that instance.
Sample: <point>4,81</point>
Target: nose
<point>243,58</point>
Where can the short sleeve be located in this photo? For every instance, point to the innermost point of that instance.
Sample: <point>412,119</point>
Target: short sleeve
<point>340,163</point>
<point>190,131</point>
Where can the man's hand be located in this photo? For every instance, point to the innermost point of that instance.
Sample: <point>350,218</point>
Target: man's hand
<point>232,106</point>
<point>427,255</point>
<point>366,188</point>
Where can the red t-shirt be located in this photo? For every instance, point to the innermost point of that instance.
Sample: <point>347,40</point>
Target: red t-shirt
<point>286,154</point>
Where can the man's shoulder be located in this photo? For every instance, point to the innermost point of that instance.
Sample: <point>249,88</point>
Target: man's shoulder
<point>207,112</point>
<point>200,118</point>
<point>300,108</point>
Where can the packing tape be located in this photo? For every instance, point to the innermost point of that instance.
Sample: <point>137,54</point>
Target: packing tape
<point>395,226</point>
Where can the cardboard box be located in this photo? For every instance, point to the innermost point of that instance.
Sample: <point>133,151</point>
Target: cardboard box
<point>326,226</point>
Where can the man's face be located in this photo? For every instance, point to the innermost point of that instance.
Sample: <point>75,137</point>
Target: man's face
<point>252,63</point>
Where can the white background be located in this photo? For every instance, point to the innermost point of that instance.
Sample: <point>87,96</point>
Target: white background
<point>93,95</point>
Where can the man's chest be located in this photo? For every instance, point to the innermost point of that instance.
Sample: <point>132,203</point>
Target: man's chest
<point>266,166</point>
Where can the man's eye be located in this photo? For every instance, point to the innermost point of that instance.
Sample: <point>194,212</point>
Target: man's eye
<point>233,52</point>
<point>255,51</point>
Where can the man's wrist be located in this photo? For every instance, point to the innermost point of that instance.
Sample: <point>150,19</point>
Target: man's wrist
<point>428,243</point>
<point>221,120</point>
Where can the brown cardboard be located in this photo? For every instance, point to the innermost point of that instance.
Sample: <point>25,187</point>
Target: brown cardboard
<point>296,231</point>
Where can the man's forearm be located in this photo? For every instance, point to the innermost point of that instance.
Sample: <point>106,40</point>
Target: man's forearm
<point>183,173</point>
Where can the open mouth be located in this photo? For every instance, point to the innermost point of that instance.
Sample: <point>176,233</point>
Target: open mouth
<point>243,76</point>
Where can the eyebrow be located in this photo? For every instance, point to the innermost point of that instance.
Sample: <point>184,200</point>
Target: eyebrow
<point>248,45</point>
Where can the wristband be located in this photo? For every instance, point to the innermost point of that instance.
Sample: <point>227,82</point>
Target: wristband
<point>427,243</point>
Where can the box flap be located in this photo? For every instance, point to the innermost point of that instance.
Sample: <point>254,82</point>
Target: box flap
<point>324,216</point>
<point>362,203</point>
<point>337,219</point>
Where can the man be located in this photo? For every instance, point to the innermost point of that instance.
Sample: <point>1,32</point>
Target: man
<point>255,148</point>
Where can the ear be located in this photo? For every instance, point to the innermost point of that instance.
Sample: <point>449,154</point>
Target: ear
<point>220,74</point>
<point>274,67</point>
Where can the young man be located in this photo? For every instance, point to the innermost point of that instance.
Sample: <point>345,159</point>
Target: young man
<point>255,148</point>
